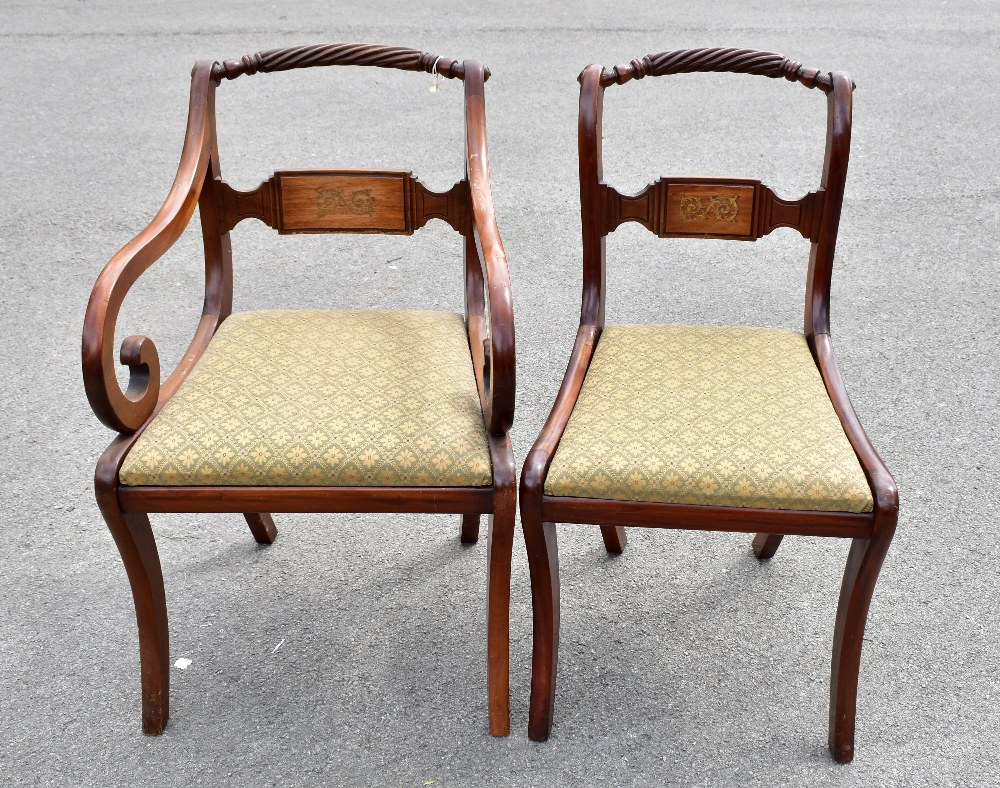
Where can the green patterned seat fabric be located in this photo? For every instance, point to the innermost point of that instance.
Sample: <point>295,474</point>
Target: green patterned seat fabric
<point>332,398</point>
<point>707,416</point>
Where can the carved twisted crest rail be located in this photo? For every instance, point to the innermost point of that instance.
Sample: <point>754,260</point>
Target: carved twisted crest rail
<point>719,59</point>
<point>340,55</point>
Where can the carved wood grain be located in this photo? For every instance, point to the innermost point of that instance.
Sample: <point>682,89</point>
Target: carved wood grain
<point>235,206</point>
<point>288,202</point>
<point>803,214</point>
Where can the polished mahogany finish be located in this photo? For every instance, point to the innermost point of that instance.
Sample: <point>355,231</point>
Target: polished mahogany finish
<point>290,202</point>
<point>741,210</point>
<point>732,209</point>
<point>718,59</point>
<point>344,201</point>
<point>341,55</point>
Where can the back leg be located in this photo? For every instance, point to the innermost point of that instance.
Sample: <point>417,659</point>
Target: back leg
<point>262,527</point>
<point>614,538</point>
<point>469,531</point>
<point>766,545</point>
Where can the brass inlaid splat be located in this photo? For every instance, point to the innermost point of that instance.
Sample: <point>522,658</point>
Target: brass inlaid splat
<point>694,208</point>
<point>343,201</point>
<point>356,202</point>
<point>711,208</point>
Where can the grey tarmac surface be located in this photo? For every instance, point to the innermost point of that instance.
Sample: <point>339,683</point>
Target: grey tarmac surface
<point>683,662</point>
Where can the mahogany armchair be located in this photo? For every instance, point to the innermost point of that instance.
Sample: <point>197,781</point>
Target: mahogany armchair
<point>708,428</point>
<point>311,411</point>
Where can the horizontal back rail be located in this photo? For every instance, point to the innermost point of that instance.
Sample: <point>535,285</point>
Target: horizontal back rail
<point>344,201</point>
<point>309,56</point>
<point>734,209</point>
<point>717,59</point>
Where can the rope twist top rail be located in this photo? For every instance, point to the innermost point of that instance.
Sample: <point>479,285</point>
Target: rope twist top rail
<point>739,61</point>
<point>339,55</point>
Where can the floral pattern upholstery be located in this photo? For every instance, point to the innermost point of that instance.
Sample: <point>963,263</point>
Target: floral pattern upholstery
<point>323,398</point>
<point>708,416</point>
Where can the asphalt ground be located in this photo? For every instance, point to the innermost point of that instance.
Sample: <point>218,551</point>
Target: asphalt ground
<point>352,651</point>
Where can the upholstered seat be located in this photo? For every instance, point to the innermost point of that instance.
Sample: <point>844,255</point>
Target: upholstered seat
<point>323,398</point>
<point>710,416</point>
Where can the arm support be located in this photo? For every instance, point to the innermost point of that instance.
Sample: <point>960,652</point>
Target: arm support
<point>490,311</point>
<point>879,479</point>
<point>536,465</point>
<point>126,411</point>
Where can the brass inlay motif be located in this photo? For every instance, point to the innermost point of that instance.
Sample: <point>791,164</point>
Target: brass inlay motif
<point>355,202</point>
<point>694,208</point>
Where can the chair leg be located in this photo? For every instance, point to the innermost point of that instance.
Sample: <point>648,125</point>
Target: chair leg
<point>543,563</point>
<point>134,537</point>
<point>614,538</point>
<point>500,544</point>
<point>469,531</point>
<point>863,564</point>
<point>262,527</point>
<point>766,545</point>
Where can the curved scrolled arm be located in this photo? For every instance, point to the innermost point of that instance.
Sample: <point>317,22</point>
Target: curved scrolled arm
<point>883,486</point>
<point>126,411</point>
<point>492,349</point>
<point>725,59</point>
<point>340,55</point>
<point>536,464</point>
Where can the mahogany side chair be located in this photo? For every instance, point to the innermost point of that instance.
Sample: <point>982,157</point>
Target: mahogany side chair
<point>701,427</point>
<point>311,411</point>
